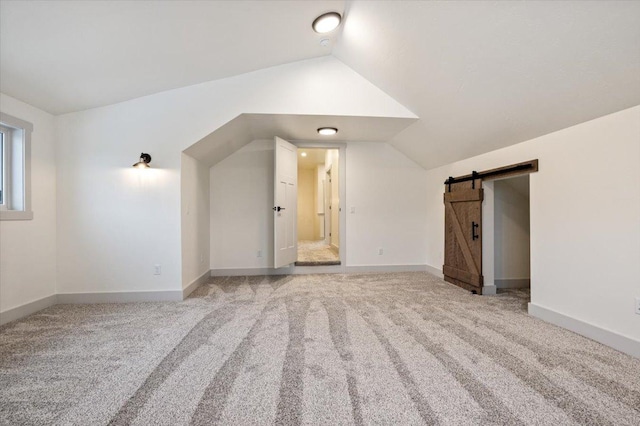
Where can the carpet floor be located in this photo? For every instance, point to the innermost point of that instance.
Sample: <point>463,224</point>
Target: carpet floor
<point>383,349</point>
<point>311,253</point>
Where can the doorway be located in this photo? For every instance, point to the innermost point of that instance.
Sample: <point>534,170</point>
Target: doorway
<point>470,229</point>
<point>318,221</point>
<point>511,229</point>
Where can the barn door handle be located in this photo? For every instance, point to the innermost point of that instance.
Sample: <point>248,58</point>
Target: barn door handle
<point>278,208</point>
<point>474,227</point>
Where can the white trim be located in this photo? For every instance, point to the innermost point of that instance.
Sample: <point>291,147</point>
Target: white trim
<point>195,284</point>
<point>16,215</point>
<point>330,269</point>
<point>513,283</point>
<point>120,297</point>
<point>27,309</point>
<point>489,290</point>
<point>373,269</point>
<point>19,206</point>
<point>606,337</point>
<point>435,271</point>
<point>234,272</point>
<point>291,270</point>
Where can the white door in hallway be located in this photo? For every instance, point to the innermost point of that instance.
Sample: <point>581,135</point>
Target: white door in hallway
<point>285,203</point>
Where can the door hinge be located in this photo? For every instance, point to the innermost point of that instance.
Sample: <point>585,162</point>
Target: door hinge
<point>329,233</point>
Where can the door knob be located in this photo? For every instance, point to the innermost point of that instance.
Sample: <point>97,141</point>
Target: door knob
<point>278,208</point>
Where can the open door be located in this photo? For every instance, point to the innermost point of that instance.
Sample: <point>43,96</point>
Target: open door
<point>463,235</point>
<point>285,203</point>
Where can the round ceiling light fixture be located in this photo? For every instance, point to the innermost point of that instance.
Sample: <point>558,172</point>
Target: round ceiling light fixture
<point>327,22</point>
<point>303,154</point>
<point>327,131</point>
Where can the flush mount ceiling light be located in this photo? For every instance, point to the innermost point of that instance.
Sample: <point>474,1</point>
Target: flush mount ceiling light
<point>327,22</point>
<point>327,131</point>
<point>145,159</point>
<point>303,154</point>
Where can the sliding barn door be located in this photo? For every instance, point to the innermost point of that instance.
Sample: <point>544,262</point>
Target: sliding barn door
<point>463,235</point>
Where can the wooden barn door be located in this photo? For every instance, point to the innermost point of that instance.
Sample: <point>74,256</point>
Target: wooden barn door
<point>463,235</point>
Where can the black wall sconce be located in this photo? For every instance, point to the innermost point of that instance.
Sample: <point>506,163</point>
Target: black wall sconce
<point>145,159</point>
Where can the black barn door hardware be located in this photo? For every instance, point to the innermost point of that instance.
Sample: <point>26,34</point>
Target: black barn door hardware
<point>474,228</point>
<point>531,166</point>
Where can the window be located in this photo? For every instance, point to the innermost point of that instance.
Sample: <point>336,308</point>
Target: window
<point>15,168</point>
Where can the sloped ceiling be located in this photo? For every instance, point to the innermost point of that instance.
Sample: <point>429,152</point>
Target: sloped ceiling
<point>65,56</point>
<point>245,128</point>
<point>485,75</point>
<point>480,75</point>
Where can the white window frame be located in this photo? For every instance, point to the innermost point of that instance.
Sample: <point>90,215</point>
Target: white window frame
<point>17,168</point>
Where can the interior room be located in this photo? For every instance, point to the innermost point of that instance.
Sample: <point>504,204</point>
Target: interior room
<point>319,212</point>
<point>318,225</point>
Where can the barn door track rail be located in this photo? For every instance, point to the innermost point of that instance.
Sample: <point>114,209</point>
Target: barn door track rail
<point>515,169</point>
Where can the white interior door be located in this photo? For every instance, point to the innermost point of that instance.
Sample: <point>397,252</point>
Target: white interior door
<point>285,203</point>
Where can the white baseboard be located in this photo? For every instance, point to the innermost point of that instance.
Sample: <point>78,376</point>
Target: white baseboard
<point>333,269</point>
<point>607,337</point>
<point>106,297</point>
<point>372,269</point>
<point>195,284</point>
<point>120,297</point>
<point>27,309</point>
<point>513,283</point>
<point>435,271</point>
<point>291,270</point>
<point>489,290</point>
<point>234,272</point>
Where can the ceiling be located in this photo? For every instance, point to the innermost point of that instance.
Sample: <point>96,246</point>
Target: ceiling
<point>245,128</point>
<point>312,159</point>
<point>480,75</point>
<point>484,75</point>
<point>65,56</point>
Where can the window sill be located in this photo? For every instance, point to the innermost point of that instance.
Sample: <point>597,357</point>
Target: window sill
<point>16,215</point>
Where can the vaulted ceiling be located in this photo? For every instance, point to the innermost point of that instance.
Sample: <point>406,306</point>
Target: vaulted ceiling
<point>480,75</point>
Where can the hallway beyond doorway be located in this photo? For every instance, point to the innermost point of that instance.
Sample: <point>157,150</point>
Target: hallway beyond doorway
<point>316,253</point>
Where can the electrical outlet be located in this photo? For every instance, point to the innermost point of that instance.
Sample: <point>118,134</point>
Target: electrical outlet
<point>353,209</point>
<point>380,252</point>
<point>157,270</point>
<point>637,305</point>
<point>259,253</point>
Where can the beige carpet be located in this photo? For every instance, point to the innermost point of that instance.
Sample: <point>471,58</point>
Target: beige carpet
<point>312,253</point>
<point>386,349</point>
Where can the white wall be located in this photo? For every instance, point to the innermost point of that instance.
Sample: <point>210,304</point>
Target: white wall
<point>385,188</point>
<point>585,218</point>
<point>114,225</point>
<point>306,204</point>
<point>511,227</point>
<point>387,191</point>
<point>28,248</point>
<point>194,183</point>
<point>241,203</point>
